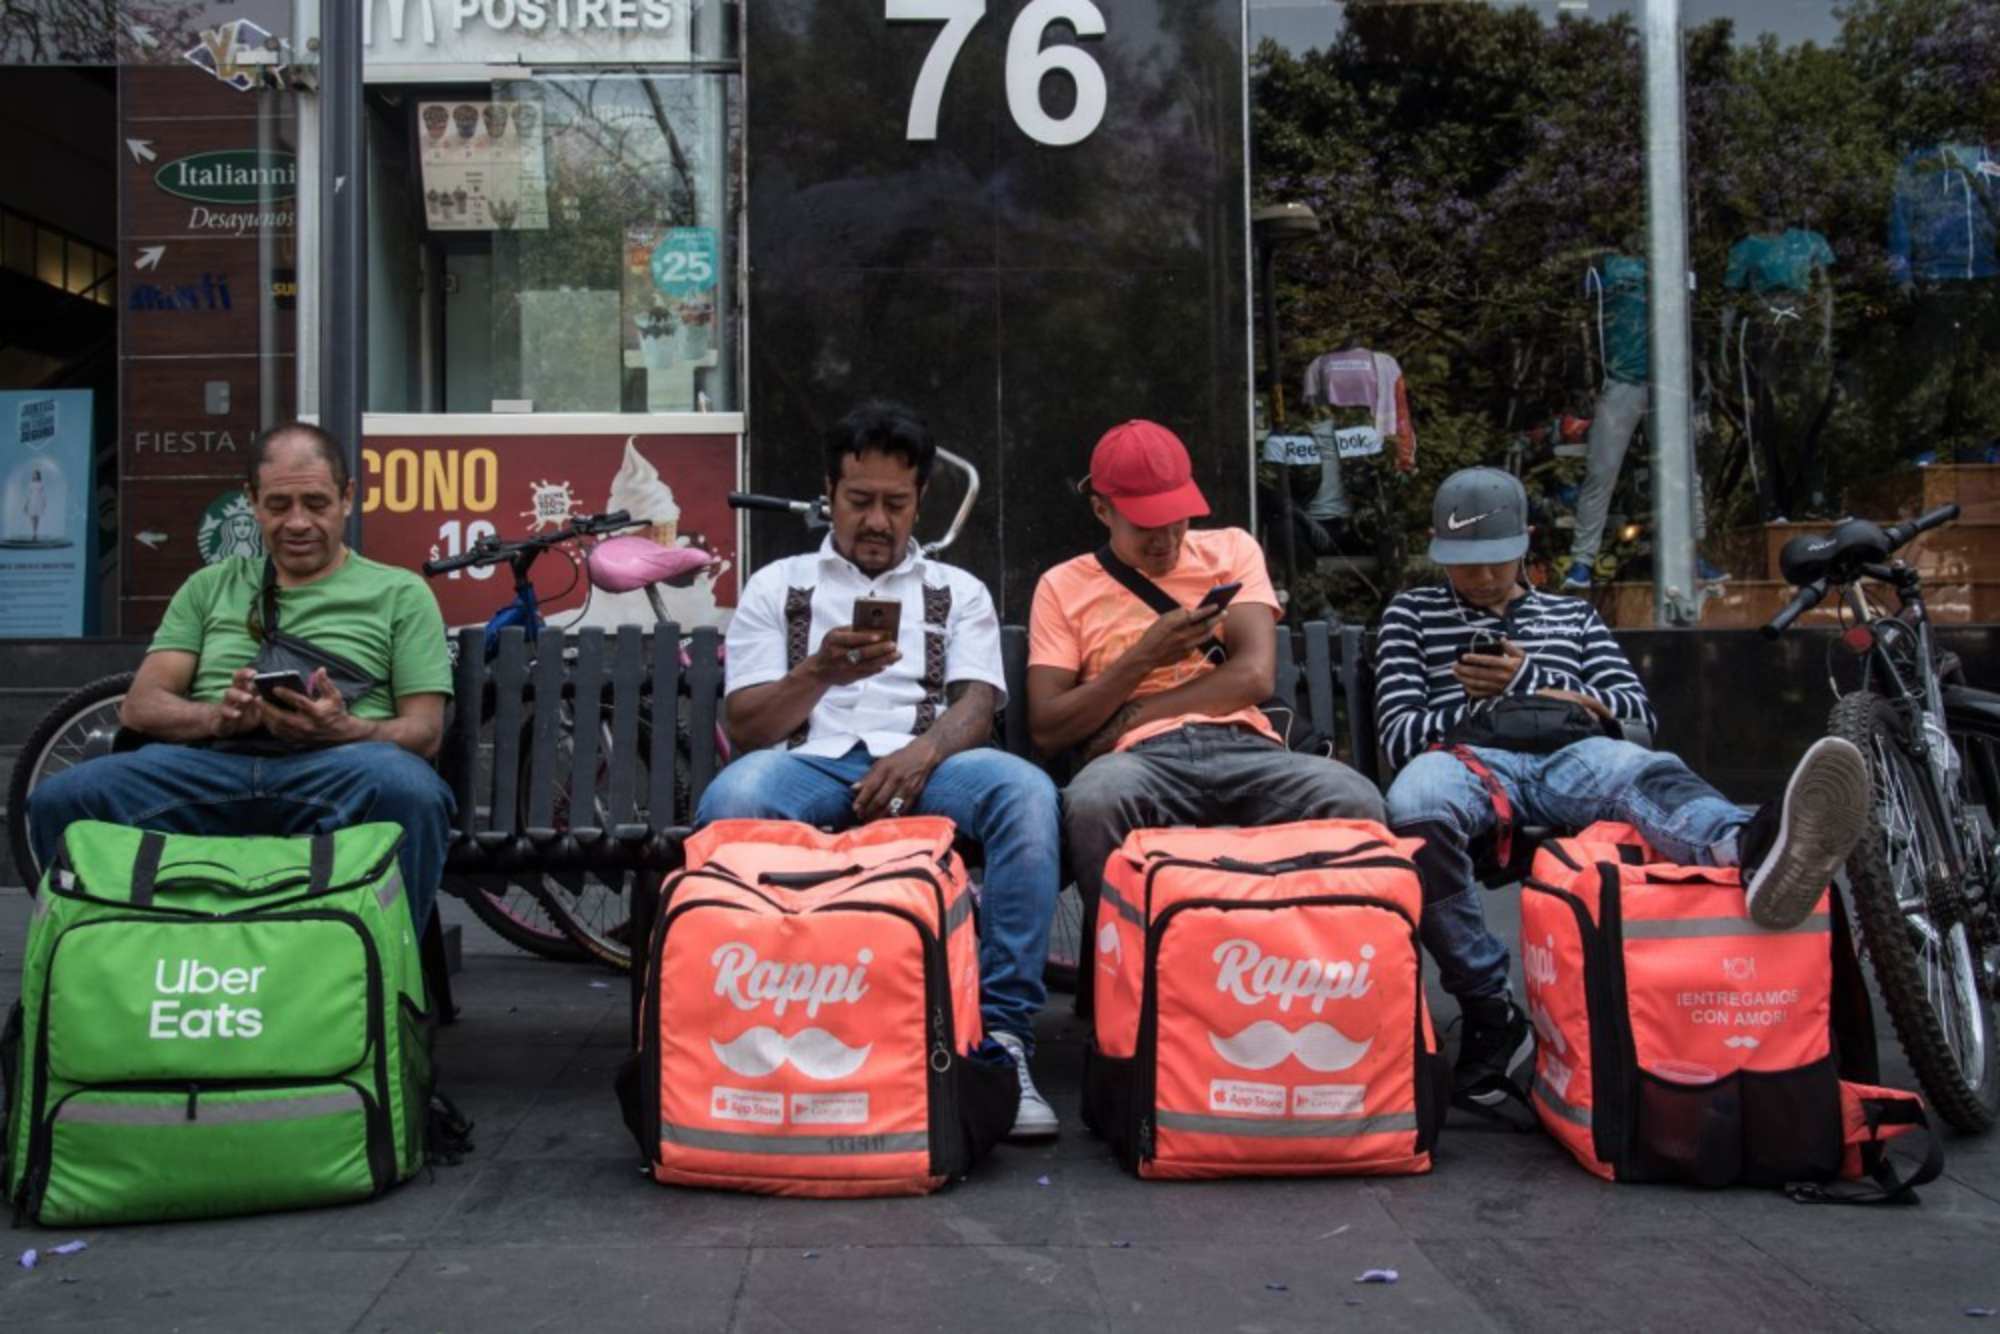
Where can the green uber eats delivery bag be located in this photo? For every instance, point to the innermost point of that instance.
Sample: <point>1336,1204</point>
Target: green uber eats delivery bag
<point>214,1026</point>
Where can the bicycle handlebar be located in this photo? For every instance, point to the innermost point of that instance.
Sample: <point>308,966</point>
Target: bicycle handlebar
<point>1901,533</point>
<point>1802,602</point>
<point>493,551</point>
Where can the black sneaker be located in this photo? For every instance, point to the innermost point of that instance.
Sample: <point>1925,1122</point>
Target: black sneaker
<point>1494,1038</point>
<point>1790,850</point>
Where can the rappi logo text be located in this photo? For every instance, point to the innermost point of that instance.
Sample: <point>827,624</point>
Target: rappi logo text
<point>1252,976</point>
<point>748,981</point>
<point>177,1016</point>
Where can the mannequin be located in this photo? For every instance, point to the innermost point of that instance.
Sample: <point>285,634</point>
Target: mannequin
<point>1943,226</point>
<point>1778,350</point>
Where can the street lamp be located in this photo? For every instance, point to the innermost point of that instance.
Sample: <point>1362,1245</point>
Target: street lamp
<point>1272,226</point>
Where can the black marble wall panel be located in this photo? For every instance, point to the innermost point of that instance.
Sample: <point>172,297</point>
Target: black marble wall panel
<point>1023,297</point>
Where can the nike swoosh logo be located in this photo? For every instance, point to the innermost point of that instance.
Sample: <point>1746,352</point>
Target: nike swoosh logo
<point>1454,523</point>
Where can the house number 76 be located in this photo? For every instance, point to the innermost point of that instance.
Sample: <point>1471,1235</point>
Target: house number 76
<point>1028,63</point>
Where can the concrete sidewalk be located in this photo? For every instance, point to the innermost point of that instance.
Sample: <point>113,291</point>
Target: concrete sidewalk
<point>551,1224</point>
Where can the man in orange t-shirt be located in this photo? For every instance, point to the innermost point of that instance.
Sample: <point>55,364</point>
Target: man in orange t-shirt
<point>1168,729</point>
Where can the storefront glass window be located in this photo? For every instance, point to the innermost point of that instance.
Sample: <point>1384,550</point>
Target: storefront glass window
<point>1480,172</point>
<point>581,226</point>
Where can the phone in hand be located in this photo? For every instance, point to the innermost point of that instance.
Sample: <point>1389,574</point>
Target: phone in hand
<point>269,682</point>
<point>884,614</point>
<point>1219,596</point>
<point>1485,643</point>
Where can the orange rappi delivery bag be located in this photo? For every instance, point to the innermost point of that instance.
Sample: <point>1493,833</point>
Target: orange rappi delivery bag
<point>811,1012</point>
<point>1677,1040</point>
<point>1260,1004</point>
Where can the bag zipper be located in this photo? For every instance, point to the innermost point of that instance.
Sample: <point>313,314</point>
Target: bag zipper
<point>80,892</point>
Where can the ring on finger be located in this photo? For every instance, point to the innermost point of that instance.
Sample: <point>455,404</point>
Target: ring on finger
<point>895,805</point>
<point>854,657</point>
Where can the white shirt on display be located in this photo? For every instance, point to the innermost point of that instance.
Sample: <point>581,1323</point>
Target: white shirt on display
<point>950,633</point>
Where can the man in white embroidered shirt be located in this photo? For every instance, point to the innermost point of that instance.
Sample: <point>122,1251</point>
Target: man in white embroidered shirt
<point>835,725</point>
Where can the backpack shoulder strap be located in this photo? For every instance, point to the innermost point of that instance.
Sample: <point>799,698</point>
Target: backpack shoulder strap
<point>1150,593</point>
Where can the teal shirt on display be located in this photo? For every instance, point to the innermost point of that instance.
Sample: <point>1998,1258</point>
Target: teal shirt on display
<point>1783,262</point>
<point>1619,282</point>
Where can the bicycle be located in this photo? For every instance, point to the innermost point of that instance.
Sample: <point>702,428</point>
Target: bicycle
<point>571,916</point>
<point>1924,877</point>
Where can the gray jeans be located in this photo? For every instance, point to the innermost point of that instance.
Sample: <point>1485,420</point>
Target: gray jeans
<point>1620,409</point>
<point>1202,774</point>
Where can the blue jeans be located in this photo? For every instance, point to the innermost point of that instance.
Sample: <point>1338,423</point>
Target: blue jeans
<point>187,790</point>
<point>1436,798</point>
<point>1005,803</point>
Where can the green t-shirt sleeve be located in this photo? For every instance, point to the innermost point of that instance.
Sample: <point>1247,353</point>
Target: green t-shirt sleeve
<point>183,627</point>
<point>422,663</point>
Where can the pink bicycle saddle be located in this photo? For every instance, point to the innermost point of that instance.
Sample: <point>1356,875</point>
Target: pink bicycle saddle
<point>628,564</point>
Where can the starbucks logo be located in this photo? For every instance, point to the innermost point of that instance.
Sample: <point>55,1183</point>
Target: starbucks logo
<point>229,528</point>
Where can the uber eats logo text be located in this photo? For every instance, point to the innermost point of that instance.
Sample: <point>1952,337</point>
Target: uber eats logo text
<point>195,1001</point>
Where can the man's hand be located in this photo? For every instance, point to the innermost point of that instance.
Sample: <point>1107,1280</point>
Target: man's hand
<point>1175,635</point>
<point>1596,706</point>
<point>901,774</point>
<point>240,709</point>
<point>1485,675</point>
<point>318,719</point>
<point>848,655</point>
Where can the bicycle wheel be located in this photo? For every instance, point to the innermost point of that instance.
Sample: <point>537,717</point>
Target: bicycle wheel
<point>590,907</point>
<point>80,726</point>
<point>1066,952</point>
<point>1910,898</point>
<point>513,909</point>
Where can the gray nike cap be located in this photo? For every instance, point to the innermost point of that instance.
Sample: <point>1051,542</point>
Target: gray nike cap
<point>1481,518</point>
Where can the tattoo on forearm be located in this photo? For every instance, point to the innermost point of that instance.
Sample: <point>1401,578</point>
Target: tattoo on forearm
<point>968,721</point>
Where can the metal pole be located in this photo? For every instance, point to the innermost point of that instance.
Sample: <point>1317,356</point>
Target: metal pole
<point>342,221</point>
<point>1267,281</point>
<point>1673,356</point>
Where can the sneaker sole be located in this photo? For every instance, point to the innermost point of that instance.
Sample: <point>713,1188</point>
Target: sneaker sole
<point>1025,1134</point>
<point>1822,818</point>
<point>1491,1097</point>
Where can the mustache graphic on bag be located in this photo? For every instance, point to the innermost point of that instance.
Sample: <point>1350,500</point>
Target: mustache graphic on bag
<point>813,1052</point>
<point>1318,1047</point>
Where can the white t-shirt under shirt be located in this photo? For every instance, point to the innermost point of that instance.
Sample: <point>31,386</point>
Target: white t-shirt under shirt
<point>950,633</point>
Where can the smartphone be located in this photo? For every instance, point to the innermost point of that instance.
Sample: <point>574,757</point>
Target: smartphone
<point>884,614</point>
<point>1485,643</point>
<point>1219,596</point>
<point>269,682</point>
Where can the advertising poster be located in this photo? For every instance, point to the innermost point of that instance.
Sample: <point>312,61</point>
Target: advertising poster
<point>45,490</point>
<point>483,166</point>
<point>424,497</point>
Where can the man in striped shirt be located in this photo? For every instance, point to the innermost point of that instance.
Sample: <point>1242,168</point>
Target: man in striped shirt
<point>1450,650</point>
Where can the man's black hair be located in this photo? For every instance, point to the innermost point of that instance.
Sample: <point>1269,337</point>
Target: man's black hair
<point>889,428</point>
<point>323,444</point>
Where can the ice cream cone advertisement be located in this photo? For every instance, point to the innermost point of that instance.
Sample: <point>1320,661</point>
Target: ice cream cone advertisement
<point>425,496</point>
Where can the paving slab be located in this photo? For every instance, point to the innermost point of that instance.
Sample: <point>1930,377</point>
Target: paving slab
<point>959,1289</point>
<point>477,1291</point>
<point>114,1287</point>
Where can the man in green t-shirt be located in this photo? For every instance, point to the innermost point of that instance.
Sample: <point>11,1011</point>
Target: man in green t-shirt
<point>242,757</point>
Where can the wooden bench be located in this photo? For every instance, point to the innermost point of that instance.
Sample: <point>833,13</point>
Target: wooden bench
<point>522,773</point>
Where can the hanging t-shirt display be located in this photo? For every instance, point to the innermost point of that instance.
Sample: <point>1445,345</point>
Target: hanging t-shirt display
<point>1359,378</point>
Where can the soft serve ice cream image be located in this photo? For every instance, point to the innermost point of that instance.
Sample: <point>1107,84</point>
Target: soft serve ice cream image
<point>640,491</point>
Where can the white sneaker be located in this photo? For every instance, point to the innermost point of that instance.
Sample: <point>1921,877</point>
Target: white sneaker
<point>1823,814</point>
<point>1035,1119</point>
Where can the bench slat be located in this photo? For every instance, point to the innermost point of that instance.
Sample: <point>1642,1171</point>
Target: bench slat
<point>586,712</point>
<point>510,679</point>
<point>468,701</point>
<point>628,671</point>
<point>1014,671</point>
<point>1356,687</point>
<point>664,756</point>
<point>545,727</point>
<point>704,694</point>
<point>1319,678</point>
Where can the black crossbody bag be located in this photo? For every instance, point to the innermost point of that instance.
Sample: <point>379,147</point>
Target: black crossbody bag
<point>1294,731</point>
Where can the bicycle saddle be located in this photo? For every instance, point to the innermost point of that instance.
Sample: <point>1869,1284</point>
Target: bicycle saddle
<point>1853,544</point>
<point>629,564</point>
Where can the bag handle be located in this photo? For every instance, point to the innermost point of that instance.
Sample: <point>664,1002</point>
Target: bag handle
<point>806,879</point>
<point>1891,1186</point>
<point>146,868</point>
<point>319,866</point>
<point>1305,861</point>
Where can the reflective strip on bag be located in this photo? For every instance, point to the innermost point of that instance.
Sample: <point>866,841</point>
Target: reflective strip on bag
<point>958,913</point>
<point>830,1146</point>
<point>1316,1127</point>
<point>392,889</point>
<point>1576,1116</point>
<point>1108,898</point>
<point>1694,928</point>
<point>211,1113</point>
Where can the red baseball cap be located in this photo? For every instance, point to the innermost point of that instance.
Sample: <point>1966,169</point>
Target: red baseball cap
<point>1142,468</point>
